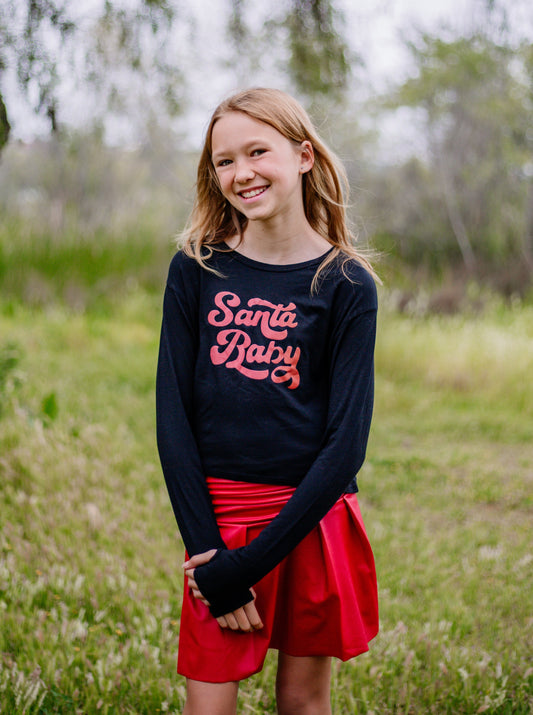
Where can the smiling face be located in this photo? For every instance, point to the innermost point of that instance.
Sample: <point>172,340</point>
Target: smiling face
<point>258,169</point>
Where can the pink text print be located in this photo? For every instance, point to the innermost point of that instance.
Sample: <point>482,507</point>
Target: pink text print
<point>235,348</point>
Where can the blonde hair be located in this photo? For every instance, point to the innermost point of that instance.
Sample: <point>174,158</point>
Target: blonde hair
<point>324,190</point>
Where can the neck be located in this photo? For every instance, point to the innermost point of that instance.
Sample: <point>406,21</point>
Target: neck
<point>281,244</point>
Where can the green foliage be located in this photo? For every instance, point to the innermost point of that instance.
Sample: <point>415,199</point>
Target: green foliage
<point>90,582</point>
<point>309,33</point>
<point>476,96</point>
<point>9,359</point>
<point>319,62</point>
<point>125,55</point>
<point>44,39</point>
<point>82,272</point>
<point>77,185</point>
<point>81,222</point>
<point>136,38</point>
<point>49,406</point>
<point>23,29</point>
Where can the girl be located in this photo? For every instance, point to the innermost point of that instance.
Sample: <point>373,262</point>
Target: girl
<point>264,401</point>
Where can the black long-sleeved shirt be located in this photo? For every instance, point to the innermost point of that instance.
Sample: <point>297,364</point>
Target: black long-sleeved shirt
<point>260,380</point>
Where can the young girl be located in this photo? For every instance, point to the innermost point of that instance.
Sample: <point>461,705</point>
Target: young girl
<point>264,402</point>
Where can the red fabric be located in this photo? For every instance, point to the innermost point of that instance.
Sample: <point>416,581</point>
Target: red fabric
<point>320,600</point>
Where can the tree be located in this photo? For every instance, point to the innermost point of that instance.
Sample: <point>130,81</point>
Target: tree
<point>475,93</point>
<point>127,54</point>
<point>5,126</point>
<point>319,61</point>
<point>307,38</point>
<point>41,41</point>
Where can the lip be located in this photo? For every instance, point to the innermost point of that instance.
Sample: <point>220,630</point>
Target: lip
<point>256,192</point>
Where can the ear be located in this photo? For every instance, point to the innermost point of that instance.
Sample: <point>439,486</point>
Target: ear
<point>307,157</point>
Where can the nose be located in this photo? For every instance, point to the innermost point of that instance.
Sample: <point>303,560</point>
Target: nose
<point>243,171</point>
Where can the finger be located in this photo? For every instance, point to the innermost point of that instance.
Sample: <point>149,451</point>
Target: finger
<point>191,580</point>
<point>199,559</point>
<point>196,591</point>
<point>193,586</point>
<point>242,620</point>
<point>199,595</point>
<point>253,616</point>
<point>232,622</point>
<point>222,622</point>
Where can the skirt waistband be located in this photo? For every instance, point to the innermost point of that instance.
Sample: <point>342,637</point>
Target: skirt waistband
<point>246,502</point>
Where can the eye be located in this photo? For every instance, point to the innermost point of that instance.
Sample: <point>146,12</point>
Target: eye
<point>223,162</point>
<point>258,152</point>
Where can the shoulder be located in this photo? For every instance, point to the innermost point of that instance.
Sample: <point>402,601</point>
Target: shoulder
<point>182,263</point>
<point>183,271</point>
<point>353,284</point>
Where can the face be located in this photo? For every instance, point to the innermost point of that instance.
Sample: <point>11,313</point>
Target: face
<point>258,169</point>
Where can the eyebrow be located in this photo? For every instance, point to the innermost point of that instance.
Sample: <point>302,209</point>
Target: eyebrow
<point>248,145</point>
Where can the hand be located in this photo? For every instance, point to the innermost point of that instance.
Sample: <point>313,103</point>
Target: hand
<point>189,567</point>
<point>244,619</point>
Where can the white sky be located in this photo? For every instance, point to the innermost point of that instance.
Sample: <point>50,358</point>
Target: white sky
<point>373,27</point>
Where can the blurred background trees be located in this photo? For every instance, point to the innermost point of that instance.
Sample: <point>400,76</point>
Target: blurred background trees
<point>51,47</point>
<point>455,206</point>
<point>474,97</point>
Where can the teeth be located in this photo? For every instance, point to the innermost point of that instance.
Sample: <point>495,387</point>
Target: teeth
<point>254,192</point>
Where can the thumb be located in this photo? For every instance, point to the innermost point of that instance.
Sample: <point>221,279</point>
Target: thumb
<point>199,559</point>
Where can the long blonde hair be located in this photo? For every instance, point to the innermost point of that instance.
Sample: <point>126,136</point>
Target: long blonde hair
<point>325,187</point>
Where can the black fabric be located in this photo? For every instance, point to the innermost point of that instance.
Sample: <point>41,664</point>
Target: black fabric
<point>260,380</point>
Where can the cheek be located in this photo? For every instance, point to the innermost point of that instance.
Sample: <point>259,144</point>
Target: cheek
<point>224,182</point>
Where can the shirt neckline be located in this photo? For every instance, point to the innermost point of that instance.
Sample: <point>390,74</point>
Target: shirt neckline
<point>277,267</point>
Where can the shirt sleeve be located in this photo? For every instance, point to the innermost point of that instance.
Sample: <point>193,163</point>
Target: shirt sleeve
<point>178,451</point>
<point>351,375</point>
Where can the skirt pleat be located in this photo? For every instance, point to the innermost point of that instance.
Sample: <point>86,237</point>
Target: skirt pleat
<point>320,600</point>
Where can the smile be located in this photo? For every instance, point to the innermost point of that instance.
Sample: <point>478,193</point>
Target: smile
<point>252,193</point>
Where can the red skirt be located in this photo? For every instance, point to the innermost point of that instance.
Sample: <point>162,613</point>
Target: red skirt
<point>320,600</point>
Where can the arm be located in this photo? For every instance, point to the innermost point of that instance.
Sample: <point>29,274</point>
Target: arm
<point>177,446</point>
<point>340,457</point>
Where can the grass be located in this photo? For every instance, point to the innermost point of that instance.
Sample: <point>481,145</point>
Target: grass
<point>90,582</point>
<point>83,270</point>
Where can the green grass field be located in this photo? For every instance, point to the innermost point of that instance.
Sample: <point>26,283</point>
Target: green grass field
<point>90,582</point>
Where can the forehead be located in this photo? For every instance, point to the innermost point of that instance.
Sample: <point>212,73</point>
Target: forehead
<point>236,129</point>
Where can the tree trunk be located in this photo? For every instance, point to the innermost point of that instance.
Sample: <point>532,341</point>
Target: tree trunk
<point>455,218</point>
<point>5,127</point>
<point>527,248</point>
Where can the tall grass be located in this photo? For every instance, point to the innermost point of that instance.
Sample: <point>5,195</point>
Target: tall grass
<point>90,582</point>
<point>82,271</point>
